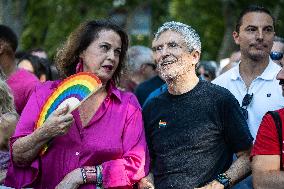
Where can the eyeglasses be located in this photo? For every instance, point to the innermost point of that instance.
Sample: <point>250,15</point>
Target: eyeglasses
<point>276,55</point>
<point>245,103</point>
<point>172,45</point>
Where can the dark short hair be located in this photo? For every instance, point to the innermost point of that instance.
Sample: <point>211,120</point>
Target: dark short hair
<point>9,36</point>
<point>249,9</point>
<point>40,65</point>
<point>79,40</point>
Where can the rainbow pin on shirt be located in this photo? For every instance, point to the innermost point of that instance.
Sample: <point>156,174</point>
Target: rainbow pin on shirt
<point>72,91</point>
<point>162,124</point>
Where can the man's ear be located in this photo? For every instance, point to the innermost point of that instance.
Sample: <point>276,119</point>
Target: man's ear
<point>236,37</point>
<point>196,56</point>
<point>143,68</point>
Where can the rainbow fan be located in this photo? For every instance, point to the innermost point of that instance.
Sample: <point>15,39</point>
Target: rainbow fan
<point>72,91</point>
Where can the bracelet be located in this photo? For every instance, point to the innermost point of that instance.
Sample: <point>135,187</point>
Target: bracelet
<point>84,176</point>
<point>225,180</point>
<point>91,174</point>
<point>99,175</point>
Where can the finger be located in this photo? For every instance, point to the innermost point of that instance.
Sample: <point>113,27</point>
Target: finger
<point>65,124</point>
<point>69,117</point>
<point>65,119</point>
<point>62,111</point>
<point>68,124</point>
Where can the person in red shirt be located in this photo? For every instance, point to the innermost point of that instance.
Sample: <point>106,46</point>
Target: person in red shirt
<point>266,168</point>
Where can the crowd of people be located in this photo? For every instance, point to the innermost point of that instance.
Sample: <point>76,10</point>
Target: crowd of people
<point>163,117</point>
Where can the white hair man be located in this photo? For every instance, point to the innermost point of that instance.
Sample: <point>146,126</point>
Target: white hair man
<point>194,127</point>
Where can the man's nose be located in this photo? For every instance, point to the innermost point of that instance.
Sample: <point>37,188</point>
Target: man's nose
<point>165,51</point>
<point>259,34</point>
<point>280,74</point>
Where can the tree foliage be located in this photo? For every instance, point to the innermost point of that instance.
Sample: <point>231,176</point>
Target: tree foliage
<point>212,19</point>
<point>48,23</point>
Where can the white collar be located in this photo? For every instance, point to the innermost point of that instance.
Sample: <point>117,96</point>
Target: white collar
<point>267,74</point>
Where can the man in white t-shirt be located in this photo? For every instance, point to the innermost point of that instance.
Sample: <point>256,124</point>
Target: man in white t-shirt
<point>253,81</point>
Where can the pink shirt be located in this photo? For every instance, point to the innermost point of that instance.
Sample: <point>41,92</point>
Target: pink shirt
<point>114,138</point>
<point>22,83</point>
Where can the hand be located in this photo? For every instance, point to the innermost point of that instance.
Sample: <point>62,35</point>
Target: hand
<point>146,182</point>
<point>71,181</point>
<point>58,123</point>
<point>213,185</point>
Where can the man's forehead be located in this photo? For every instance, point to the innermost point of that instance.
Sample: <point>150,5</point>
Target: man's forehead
<point>168,37</point>
<point>257,19</point>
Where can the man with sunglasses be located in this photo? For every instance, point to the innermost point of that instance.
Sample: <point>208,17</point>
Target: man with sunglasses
<point>194,127</point>
<point>206,70</point>
<point>277,51</point>
<point>267,168</point>
<point>253,81</point>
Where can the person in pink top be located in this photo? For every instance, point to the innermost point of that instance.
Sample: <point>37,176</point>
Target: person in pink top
<point>21,82</point>
<point>100,144</point>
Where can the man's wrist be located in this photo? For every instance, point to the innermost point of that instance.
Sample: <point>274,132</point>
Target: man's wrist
<point>225,180</point>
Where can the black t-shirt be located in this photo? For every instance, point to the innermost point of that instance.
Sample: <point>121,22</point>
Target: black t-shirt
<point>192,137</point>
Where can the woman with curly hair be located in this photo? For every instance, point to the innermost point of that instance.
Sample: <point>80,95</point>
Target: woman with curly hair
<point>8,120</point>
<point>100,144</point>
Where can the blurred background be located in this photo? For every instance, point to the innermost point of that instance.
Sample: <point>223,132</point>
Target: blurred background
<point>46,23</point>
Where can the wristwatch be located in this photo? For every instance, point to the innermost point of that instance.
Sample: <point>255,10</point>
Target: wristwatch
<point>224,179</point>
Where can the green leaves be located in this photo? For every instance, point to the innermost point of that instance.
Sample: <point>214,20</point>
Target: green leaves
<point>48,23</point>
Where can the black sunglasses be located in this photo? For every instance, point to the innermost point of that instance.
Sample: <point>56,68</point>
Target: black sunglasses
<point>152,65</point>
<point>276,55</point>
<point>246,101</point>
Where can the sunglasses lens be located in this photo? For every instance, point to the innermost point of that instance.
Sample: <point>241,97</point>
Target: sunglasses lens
<point>276,55</point>
<point>247,100</point>
<point>152,65</point>
<point>245,113</point>
<point>206,75</point>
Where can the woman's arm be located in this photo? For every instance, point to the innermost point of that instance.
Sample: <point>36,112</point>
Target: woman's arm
<point>72,180</point>
<point>25,149</point>
<point>134,164</point>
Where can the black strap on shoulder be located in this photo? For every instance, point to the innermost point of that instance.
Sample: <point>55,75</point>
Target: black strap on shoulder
<point>278,123</point>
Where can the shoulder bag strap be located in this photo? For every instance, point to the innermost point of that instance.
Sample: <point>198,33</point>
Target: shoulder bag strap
<point>278,123</point>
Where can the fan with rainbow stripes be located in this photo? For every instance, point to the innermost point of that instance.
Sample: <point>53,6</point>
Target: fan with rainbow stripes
<point>72,91</point>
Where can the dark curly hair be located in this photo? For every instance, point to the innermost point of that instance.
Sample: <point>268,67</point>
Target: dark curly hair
<point>68,56</point>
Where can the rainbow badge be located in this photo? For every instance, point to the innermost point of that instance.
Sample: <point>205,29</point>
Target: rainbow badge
<point>162,124</point>
<point>72,91</point>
